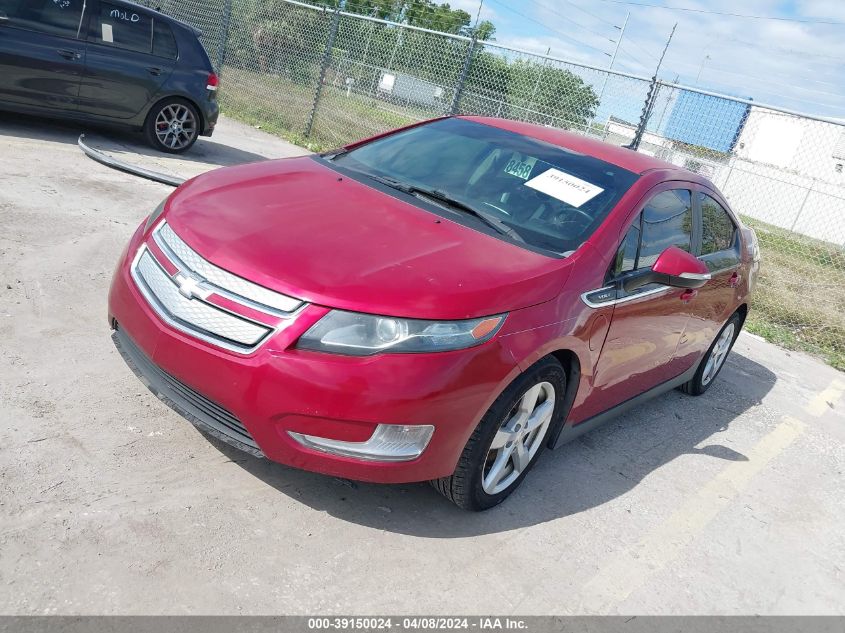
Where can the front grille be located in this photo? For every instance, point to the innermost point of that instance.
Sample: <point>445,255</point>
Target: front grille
<point>191,404</point>
<point>223,282</point>
<point>192,314</point>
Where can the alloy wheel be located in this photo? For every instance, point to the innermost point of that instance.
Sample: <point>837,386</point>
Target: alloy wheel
<point>718,354</point>
<point>519,438</point>
<point>175,126</point>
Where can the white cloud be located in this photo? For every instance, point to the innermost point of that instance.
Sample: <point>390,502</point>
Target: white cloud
<point>795,65</point>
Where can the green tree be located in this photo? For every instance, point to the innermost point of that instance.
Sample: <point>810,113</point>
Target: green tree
<point>542,91</point>
<point>483,32</point>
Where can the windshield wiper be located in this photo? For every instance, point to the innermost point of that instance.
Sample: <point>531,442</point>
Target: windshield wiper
<point>445,199</point>
<point>331,155</point>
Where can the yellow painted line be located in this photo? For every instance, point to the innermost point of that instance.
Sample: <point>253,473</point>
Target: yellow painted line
<point>826,399</point>
<point>629,569</point>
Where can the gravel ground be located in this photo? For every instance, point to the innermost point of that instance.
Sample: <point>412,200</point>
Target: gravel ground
<point>110,503</point>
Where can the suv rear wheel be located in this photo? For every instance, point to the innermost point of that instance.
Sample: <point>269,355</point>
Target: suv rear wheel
<point>172,126</point>
<point>510,437</point>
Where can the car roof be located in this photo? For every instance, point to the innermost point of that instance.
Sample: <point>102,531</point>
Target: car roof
<point>613,154</point>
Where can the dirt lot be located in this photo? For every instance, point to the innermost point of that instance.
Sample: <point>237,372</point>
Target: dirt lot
<point>111,503</point>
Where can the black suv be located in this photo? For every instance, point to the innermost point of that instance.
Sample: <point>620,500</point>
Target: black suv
<point>109,61</point>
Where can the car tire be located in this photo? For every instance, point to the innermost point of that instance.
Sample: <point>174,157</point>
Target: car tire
<point>718,352</point>
<point>173,125</point>
<point>524,417</point>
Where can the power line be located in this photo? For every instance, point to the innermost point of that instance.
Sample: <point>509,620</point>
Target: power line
<point>628,53</point>
<point>780,49</point>
<point>643,49</point>
<point>628,40</point>
<point>545,26</point>
<point>758,79</point>
<point>554,11</point>
<point>583,10</point>
<point>725,13</point>
<point>568,19</point>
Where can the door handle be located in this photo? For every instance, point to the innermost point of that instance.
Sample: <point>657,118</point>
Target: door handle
<point>69,54</point>
<point>688,295</point>
<point>734,281</point>
<point>154,71</point>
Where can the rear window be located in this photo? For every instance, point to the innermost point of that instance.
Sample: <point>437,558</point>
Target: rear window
<point>552,198</point>
<point>124,28</point>
<point>164,43</point>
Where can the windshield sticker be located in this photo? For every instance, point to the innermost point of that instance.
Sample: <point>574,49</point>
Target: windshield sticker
<point>565,187</point>
<point>519,168</point>
<point>108,35</point>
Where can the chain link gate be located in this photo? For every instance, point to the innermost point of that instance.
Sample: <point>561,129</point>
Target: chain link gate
<point>324,77</point>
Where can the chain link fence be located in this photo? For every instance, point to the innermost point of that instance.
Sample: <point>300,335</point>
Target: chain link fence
<point>323,77</point>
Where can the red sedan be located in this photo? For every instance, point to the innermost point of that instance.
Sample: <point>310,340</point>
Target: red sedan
<point>440,303</point>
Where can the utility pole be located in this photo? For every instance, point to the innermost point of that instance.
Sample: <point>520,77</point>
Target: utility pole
<point>539,78</point>
<point>612,60</point>
<point>665,48</point>
<point>700,68</point>
<point>477,19</point>
<point>651,97</point>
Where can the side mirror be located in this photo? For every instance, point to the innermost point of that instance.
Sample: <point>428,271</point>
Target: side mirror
<point>674,267</point>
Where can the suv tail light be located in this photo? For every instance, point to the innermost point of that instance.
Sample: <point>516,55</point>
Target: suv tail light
<point>213,81</point>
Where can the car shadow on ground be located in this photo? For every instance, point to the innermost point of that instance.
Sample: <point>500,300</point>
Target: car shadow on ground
<point>122,144</point>
<point>586,473</point>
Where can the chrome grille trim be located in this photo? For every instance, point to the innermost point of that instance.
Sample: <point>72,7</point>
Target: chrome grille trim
<point>193,316</point>
<point>222,281</point>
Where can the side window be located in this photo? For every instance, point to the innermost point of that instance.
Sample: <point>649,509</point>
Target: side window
<point>124,28</point>
<point>54,17</point>
<point>717,228</point>
<point>626,256</point>
<point>164,44</point>
<point>667,221</point>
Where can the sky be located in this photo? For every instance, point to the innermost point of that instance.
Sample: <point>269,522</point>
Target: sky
<point>796,61</point>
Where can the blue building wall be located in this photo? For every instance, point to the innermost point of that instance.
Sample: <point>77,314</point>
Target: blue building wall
<point>706,121</point>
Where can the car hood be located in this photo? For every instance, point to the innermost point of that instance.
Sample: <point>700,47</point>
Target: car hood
<point>302,229</point>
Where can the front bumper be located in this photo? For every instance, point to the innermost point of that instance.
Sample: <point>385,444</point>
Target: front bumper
<point>278,389</point>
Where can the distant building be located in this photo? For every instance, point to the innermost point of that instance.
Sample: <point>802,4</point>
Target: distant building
<point>815,149</point>
<point>710,122</point>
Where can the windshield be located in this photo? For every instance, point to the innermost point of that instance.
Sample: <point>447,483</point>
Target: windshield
<point>545,196</point>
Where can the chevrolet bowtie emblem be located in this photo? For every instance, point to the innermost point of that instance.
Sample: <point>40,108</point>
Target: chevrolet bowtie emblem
<point>190,288</point>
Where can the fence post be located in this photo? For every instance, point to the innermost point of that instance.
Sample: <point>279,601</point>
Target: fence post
<point>648,106</point>
<point>327,58</point>
<point>224,36</point>
<point>801,208</point>
<point>459,89</point>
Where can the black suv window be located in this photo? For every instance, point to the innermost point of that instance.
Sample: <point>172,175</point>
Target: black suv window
<point>667,221</point>
<point>717,228</point>
<point>124,28</point>
<point>164,44</point>
<point>55,17</point>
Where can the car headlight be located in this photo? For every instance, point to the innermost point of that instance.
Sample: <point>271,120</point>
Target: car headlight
<point>357,334</point>
<point>154,216</point>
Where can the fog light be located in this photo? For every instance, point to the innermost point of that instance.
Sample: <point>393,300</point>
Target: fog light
<point>388,443</point>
